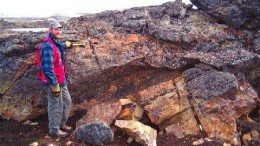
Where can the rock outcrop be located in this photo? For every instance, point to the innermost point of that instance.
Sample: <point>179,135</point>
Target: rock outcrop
<point>187,71</point>
<point>234,13</point>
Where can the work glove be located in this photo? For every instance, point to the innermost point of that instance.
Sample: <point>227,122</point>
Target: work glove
<point>68,44</point>
<point>55,90</point>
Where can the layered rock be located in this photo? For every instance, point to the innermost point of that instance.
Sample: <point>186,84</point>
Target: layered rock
<point>103,112</point>
<point>177,64</point>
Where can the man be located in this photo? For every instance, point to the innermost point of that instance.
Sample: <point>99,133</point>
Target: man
<point>50,61</point>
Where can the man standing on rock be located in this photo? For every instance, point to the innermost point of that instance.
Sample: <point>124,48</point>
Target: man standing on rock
<point>50,61</point>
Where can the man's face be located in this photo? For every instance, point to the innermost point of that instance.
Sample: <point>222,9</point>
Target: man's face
<point>57,32</point>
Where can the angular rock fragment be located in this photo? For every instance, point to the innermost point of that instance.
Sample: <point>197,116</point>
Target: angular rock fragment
<point>143,134</point>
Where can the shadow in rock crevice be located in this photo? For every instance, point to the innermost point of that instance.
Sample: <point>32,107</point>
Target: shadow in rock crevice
<point>119,82</point>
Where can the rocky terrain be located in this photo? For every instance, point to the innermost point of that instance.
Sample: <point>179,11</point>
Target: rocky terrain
<point>29,22</point>
<point>152,73</point>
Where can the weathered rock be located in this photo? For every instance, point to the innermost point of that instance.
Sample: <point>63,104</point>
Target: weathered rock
<point>131,112</point>
<point>96,133</point>
<point>256,43</point>
<point>229,58</point>
<point>246,98</point>
<point>233,13</point>
<point>140,54</point>
<point>213,84</point>
<point>218,119</point>
<point>105,112</point>
<point>125,102</point>
<point>182,124</point>
<point>254,77</point>
<point>11,70</point>
<point>163,107</point>
<point>166,105</point>
<point>140,132</point>
<point>251,138</point>
<point>20,43</point>
<point>24,100</point>
<point>159,89</point>
<point>192,73</point>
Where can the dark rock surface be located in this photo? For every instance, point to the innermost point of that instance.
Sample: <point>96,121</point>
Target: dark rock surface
<point>212,84</point>
<point>235,13</point>
<point>96,133</point>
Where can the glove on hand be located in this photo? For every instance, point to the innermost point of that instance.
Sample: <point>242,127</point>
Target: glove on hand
<point>68,44</point>
<point>55,90</point>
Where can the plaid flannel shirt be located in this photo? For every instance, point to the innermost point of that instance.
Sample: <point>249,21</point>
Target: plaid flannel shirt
<point>47,59</point>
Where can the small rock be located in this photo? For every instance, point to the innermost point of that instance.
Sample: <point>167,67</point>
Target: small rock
<point>198,142</point>
<point>69,143</point>
<point>125,101</point>
<point>34,144</point>
<point>161,133</point>
<point>28,122</point>
<point>33,123</point>
<point>130,140</point>
<point>251,138</point>
<point>255,134</point>
<point>226,144</point>
<point>207,139</point>
<point>47,137</point>
<point>51,144</point>
<point>246,138</point>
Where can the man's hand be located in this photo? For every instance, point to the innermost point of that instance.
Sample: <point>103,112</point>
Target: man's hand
<point>55,90</point>
<point>68,44</point>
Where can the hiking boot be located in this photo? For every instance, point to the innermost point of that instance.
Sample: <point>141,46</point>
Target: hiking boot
<point>60,134</point>
<point>66,128</point>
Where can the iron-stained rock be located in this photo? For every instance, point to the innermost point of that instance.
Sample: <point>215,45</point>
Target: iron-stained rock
<point>218,119</point>
<point>105,112</point>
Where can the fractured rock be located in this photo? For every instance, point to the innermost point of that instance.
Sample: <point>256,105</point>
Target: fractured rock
<point>218,119</point>
<point>143,134</point>
<point>105,112</point>
<point>182,124</point>
<point>131,112</point>
<point>169,104</point>
<point>246,98</point>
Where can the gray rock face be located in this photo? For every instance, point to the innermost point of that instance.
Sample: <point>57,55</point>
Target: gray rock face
<point>235,13</point>
<point>20,43</point>
<point>256,43</point>
<point>96,133</point>
<point>213,84</point>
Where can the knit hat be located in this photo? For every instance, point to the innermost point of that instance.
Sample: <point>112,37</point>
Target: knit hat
<point>55,24</point>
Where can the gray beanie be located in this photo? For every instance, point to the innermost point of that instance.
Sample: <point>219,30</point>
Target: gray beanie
<point>55,24</point>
